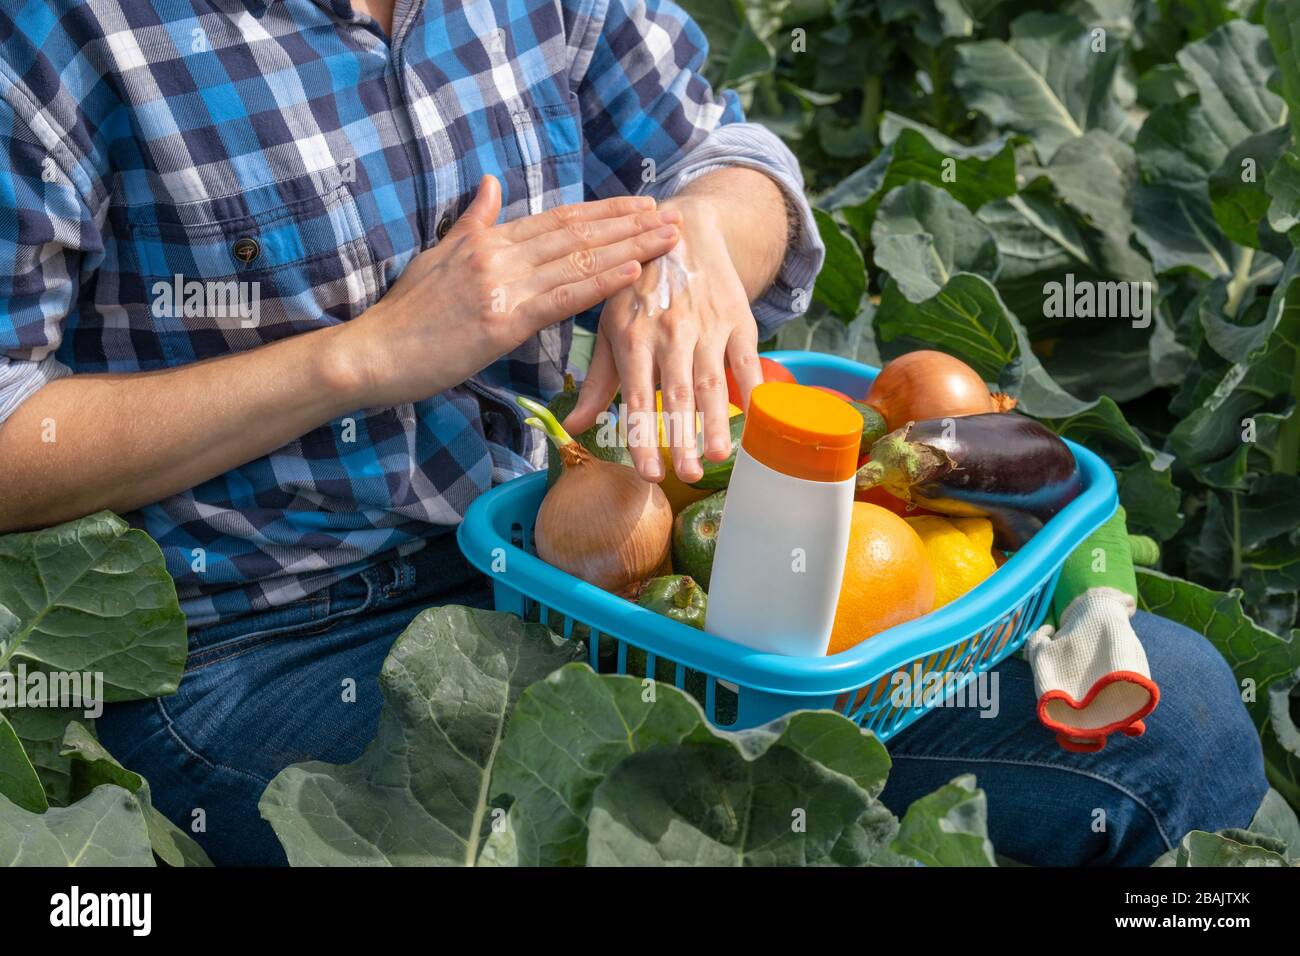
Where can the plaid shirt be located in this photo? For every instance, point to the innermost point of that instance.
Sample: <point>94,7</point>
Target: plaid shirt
<point>289,147</point>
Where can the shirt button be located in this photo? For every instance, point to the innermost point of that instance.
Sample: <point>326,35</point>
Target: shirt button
<point>246,249</point>
<point>444,226</point>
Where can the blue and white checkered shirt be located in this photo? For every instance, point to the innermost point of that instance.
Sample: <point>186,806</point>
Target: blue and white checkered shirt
<point>288,146</point>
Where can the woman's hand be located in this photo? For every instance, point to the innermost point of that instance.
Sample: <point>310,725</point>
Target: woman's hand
<point>486,288</point>
<point>676,324</point>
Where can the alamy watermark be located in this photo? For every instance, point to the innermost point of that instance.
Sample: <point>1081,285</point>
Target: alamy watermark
<point>1085,299</point>
<point>226,301</point>
<point>920,688</point>
<point>21,688</point>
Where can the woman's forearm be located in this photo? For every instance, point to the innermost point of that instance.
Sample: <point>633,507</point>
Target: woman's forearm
<point>87,442</point>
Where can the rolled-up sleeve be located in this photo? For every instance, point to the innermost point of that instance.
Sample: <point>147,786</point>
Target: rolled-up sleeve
<point>45,230</point>
<point>653,124</point>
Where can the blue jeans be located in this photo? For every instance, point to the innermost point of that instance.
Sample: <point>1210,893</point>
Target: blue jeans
<point>267,691</point>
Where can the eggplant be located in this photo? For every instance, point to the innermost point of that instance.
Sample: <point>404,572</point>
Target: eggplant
<point>998,465</point>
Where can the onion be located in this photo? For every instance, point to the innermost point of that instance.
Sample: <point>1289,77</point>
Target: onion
<point>928,384</point>
<point>600,521</point>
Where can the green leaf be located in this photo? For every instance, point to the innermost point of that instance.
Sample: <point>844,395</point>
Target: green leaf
<point>1255,654</point>
<point>1266,372</point>
<point>1227,848</point>
<point>1103,428</point>
<point>973,175</point>
<point>1282,21</point>
<point>933,21</point>
<point>1238,196</point>
<point>740,37</point>
<point>1096,176</point>
<point>843,279</point>
<point>1152,500</point>
<point>1280,694</point>
<point>18,778</point>
<point>107,828</point>
<point>948,827</point>
<point>41,729</point>
<point>1275,819</point>
<point>92,596</point>
<point>1176,225</point>
<point>1198,17</point>
<point>1048,82</point>
<point>419,794</point>
<point>567,732</point>
<point>922,235</point>
<point>1165,84</point>
<point>1283,188</point>
<point>1180,148</point>
<point>800,791</point>
<point>1041,240</point>
<point>93,767</point>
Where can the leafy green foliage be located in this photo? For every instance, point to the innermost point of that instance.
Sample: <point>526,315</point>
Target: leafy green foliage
<point>92,596</point>
<point>497,748</point>
<point>419,795</point>
<point>89,596</point>
<point>948,827</point>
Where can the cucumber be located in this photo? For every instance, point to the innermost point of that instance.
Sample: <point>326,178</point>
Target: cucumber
<point>560,406</point>
<point>695,537</point>
<point>717,474</point>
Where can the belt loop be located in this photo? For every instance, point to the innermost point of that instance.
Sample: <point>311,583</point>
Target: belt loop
<point>406,573</point>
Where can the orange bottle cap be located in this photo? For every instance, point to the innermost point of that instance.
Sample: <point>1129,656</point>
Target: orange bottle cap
<point>802,432</point>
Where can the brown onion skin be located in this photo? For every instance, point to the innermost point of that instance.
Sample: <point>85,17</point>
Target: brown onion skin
<point>929,384</point>
<point>603,524</point>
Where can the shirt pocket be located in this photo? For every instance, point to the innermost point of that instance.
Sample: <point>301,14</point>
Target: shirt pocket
<point>228,274</point>
<point>548,138</point>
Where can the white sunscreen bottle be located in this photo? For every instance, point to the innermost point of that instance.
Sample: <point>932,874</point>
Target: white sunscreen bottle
<point>785,526</point>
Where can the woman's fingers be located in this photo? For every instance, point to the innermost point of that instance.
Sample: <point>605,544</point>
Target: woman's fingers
<point>675,358</point>
<point>563,301</point>
<point>592,234</point>
<point>636,373</point>
<point>598,387</point>
<point>526,228</point>
<point>711,399</point>
<point>742,358</point>
<point>482,211</point>
<point>587,262</point>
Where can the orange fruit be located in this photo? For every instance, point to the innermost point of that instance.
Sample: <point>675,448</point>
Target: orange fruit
<point>887,577</point>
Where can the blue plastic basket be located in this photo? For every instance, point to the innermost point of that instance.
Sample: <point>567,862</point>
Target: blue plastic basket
<point>745,688</point>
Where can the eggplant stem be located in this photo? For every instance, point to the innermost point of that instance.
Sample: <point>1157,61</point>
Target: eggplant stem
<point>870,475</point>
<point>544,420</point>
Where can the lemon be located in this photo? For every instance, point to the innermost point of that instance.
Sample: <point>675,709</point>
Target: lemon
<point>960,550</point>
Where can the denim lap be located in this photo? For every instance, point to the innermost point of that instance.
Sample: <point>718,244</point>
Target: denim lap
<point>1198,766</point>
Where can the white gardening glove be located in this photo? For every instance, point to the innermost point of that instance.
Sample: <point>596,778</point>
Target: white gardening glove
<point>1091,674</point>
